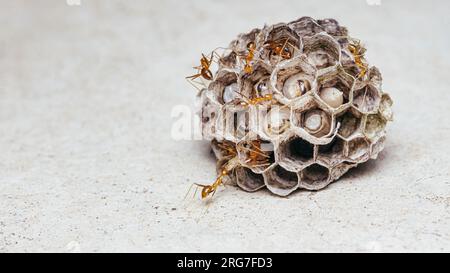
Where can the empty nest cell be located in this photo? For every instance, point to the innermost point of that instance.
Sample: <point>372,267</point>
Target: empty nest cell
<point>281,181</point>
<point>248,180</point>
<point>315,177</point>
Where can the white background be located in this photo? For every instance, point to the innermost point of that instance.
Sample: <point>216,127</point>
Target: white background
<point>87,162</point>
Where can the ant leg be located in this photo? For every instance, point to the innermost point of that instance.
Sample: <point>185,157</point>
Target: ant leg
<point>189,190</point>
<point>257,151</point>
<point>246,99</point>
<point>285,44</point>
<point>197,85</point>
<point>211,56</point>
<point>193,77</point>
<point>195,192</point>
<point>217,55</point>
<point>261,165</point>
<point>364,99</point>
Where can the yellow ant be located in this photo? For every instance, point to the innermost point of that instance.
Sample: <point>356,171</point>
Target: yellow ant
<point>210,190</point>
<point>256,100</point>
<point>251,47</point>
<point>357,51</point>
<point>227,147</point>
<point>256,156</point>
<point>204,70</point>
<point>280,48</point>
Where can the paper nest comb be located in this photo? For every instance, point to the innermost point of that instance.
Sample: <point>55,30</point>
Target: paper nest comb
<point>293,106</point>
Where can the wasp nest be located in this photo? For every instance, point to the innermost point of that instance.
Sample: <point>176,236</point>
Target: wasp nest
<point>293,106</point>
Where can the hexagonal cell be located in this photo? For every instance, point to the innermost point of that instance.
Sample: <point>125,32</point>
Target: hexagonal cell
<point>248,180</point>
<point>282,43</point>
<point>386,107</point>
<point>228,60</point>
<point>305,26</point>
<point>296,85</point>
<point>350,123</point>
<point>375,78</point>
<point>315,177</point>
<point>313,119</point>
<point>226,86</point>
<point>223,149</point>
<point>374,127</point>
<point>323,51</point>
<point>256,154</point>
<point>317,122</point>
<point>256,84</point>
<point>358,149</point>
<point>377,147</point>
<point>240,45</point>
<point>333,152</point>
<point>233,123</point>
<point>281,181</point>
<point>332,27</point>
<point>293,78</point>
<point>276,121</point>
<point>340,169</point>
<point>335,89</point>
<point>295,152</point>
<point>366,99</point>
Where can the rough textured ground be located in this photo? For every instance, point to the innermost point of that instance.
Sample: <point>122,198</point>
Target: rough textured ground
<point>87,162</point>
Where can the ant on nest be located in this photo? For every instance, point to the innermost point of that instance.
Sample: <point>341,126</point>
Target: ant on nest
<point>230,152</point>
<point>248,58</point>
<point>255,99</point>
<point>280,48</point>
<point>257,157</point>
<point>358,51</point>
<point>204,70</point>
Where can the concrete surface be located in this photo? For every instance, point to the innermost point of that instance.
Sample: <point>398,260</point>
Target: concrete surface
<point>87,162</point>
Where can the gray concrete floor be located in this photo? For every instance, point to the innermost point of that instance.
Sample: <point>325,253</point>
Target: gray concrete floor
<point>87,162</point>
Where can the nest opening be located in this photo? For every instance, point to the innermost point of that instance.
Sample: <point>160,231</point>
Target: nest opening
<point>282,178</point>
<point>316,122</point>
<point>375,125</point>
<point>226,85</point>
<point>322,51</point>
<point>349,124</point>
<point>248,180</point>
<point>357,148</point>
<point>295,86</point>
<point>299,149</point>
<point>366,99</point>
<point>338,84</point>
<point>315,174</point>
<point>335,147</point>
